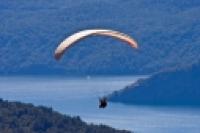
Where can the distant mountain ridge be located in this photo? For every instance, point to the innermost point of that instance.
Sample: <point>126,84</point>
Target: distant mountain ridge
<point>167,33</point>
<point>180,87</point>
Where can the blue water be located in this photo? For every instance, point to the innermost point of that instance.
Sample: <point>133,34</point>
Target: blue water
<point>79,96</point>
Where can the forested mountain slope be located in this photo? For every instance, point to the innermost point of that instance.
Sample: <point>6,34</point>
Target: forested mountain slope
<point>167,33</point>
<point>181,87</point>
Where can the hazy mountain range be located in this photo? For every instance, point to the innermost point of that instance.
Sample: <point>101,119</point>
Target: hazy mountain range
<point>181,87</point>
<point>167,33</point>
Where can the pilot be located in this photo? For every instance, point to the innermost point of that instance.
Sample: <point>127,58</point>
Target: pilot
<point>102,102</point>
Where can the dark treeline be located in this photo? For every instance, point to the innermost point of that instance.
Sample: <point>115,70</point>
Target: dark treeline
<point>16,117</point>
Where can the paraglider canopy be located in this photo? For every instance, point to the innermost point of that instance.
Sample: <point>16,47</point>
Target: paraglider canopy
<point>69,41</point>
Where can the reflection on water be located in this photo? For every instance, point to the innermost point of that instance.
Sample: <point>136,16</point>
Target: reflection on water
<point>79,96</point>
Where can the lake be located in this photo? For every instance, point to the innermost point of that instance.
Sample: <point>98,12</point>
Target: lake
<point>79,96</point>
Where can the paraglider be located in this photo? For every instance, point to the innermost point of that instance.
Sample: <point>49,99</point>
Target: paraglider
<point>102,102</point>
<point>71,40</point>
